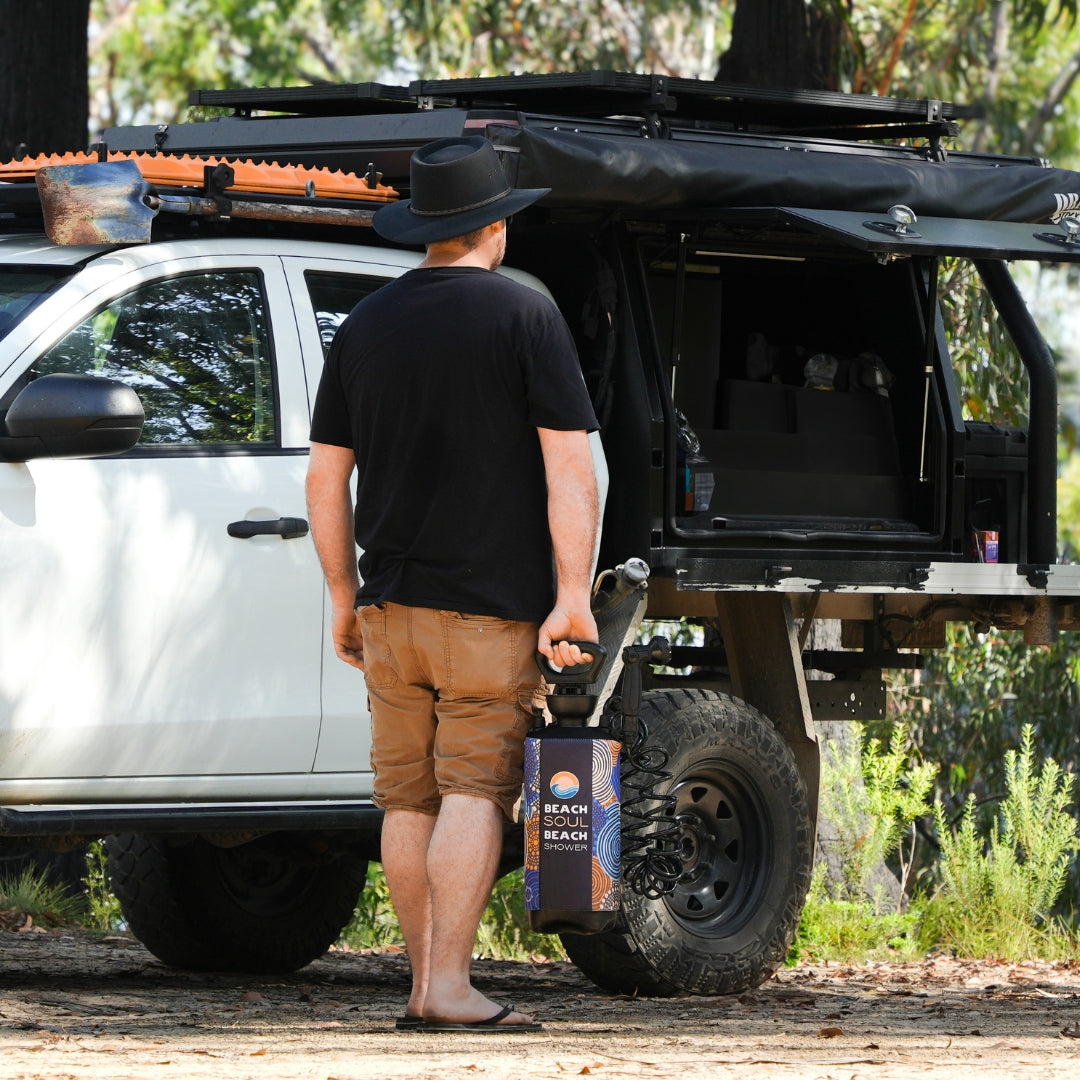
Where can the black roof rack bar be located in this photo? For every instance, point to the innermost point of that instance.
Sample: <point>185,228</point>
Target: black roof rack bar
<point>692,97</point>
<point>324,99</point>
<point>603,93</point>
<point>884,131</point>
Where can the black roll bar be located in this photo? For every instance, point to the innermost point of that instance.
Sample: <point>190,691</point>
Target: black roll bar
<point>1042,418</point>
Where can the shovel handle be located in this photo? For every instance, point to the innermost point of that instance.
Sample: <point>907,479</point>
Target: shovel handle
<point>190,205</point>
<point>260,211</point>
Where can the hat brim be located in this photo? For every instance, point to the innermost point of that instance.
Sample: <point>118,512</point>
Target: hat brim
<point>397,222</point>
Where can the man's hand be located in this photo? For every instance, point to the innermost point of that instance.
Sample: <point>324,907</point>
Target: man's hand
<point>348,643</point>
<point>567,623</point>
<point>330,513</point>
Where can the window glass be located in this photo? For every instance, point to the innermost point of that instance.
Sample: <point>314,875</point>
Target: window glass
<point>195,349</point>
<point>23,287</point>
<point>333,296</point>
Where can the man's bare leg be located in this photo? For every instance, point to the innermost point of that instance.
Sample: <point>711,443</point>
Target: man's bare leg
<point>406,836</point>
<point>461,863</point>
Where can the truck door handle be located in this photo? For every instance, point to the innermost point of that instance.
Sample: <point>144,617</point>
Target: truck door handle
<point>288,528</point>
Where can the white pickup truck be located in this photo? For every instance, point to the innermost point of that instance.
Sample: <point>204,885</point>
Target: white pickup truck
<point>753,282</point>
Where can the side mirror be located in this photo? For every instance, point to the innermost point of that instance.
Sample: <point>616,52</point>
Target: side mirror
<point>70,416</point>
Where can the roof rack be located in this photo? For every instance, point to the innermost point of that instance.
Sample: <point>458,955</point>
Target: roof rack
<point>113,197</point>
<point>328,99</point>
<point>615,93</point>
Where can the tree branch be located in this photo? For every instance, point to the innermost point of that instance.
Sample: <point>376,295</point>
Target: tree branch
<point>331,64</point>
<point>999,48</point>
<point>1054,96</point>
<point>886,78</point>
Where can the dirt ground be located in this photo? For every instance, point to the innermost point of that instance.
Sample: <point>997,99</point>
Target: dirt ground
<point>72,1005</point>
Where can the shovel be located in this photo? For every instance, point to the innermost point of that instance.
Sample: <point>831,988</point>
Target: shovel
<point>109,202</point>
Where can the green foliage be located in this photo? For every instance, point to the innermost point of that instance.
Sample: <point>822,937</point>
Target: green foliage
<point>1010,59</point>
<point>29,893</point>
<point>979,691</point>
<point>504,932</point>
<point>1032,14</point>
<point>374,922</point>
<point>851,931</point>
<point>102,908</point>
<point>872,796</point>
<point>992,380</point>
<point>977,696</point>
<point>146,55</point>
<point>1068,493</point>
<point>997,893</point>
<point>994,889</point>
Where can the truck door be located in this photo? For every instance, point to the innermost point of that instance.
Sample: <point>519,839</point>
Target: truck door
<point>324,292</point>
<point>162,608</point>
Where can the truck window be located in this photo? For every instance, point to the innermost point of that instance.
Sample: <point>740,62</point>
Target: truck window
<point>21,288</point>
<point>333,296</point>
<point>195,349</point>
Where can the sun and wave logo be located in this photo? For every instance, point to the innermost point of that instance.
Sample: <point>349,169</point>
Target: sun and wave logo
<point>564,785</point>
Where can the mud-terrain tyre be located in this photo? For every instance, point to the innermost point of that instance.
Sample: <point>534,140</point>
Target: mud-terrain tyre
<point>747,847</point>
<point>263,907</point>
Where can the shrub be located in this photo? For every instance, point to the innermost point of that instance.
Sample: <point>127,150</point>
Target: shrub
<point>29,893</point>
<point>102,908</point>
<point>872,796</point>
<point>996,893</point>
<point>851,931</point>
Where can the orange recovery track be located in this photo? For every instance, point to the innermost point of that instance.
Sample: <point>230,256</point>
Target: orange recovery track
<point>250,177</point>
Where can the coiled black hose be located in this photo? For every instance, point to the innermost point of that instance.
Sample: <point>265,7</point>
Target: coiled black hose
<point>651,863</point>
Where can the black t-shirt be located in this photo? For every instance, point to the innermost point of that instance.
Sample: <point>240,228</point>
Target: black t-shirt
<point>438,381</point>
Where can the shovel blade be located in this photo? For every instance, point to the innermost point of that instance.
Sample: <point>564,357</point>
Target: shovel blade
<point>99,203</point>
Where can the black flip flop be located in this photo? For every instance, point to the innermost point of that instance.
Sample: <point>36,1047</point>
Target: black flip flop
<point>491,1026</point>
<point>408,1022</point>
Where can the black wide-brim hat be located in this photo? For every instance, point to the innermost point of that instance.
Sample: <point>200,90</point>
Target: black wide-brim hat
<point>457,186</point>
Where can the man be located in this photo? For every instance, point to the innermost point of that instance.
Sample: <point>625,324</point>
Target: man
<point>457,395</point>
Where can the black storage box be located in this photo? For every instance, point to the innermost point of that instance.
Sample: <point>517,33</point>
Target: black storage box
<point>995,492</point>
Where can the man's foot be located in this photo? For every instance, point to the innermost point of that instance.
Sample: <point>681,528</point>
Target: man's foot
<point>473,1009</point>
<point>505,1020</point>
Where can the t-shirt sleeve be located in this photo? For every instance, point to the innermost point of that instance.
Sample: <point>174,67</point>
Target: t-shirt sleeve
<point>557,395</point>
<point>330,415</point>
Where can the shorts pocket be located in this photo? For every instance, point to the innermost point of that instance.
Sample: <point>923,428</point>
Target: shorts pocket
<point>379,673</point>
<point>482,655</point>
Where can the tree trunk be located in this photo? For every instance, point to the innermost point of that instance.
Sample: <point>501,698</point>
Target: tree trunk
<point>44,100</point>
<point>782,43</point>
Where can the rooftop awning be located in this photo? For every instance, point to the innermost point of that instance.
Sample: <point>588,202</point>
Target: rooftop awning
<point>639,175</point>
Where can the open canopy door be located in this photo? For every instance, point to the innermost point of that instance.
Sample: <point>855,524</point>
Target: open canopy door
<point>883,234</point>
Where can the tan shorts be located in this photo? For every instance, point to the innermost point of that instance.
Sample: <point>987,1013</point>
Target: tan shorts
<point>451,698</point>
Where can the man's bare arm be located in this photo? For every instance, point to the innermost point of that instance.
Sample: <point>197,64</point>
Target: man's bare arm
<point>330,513</point>
<point>572,519</point>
